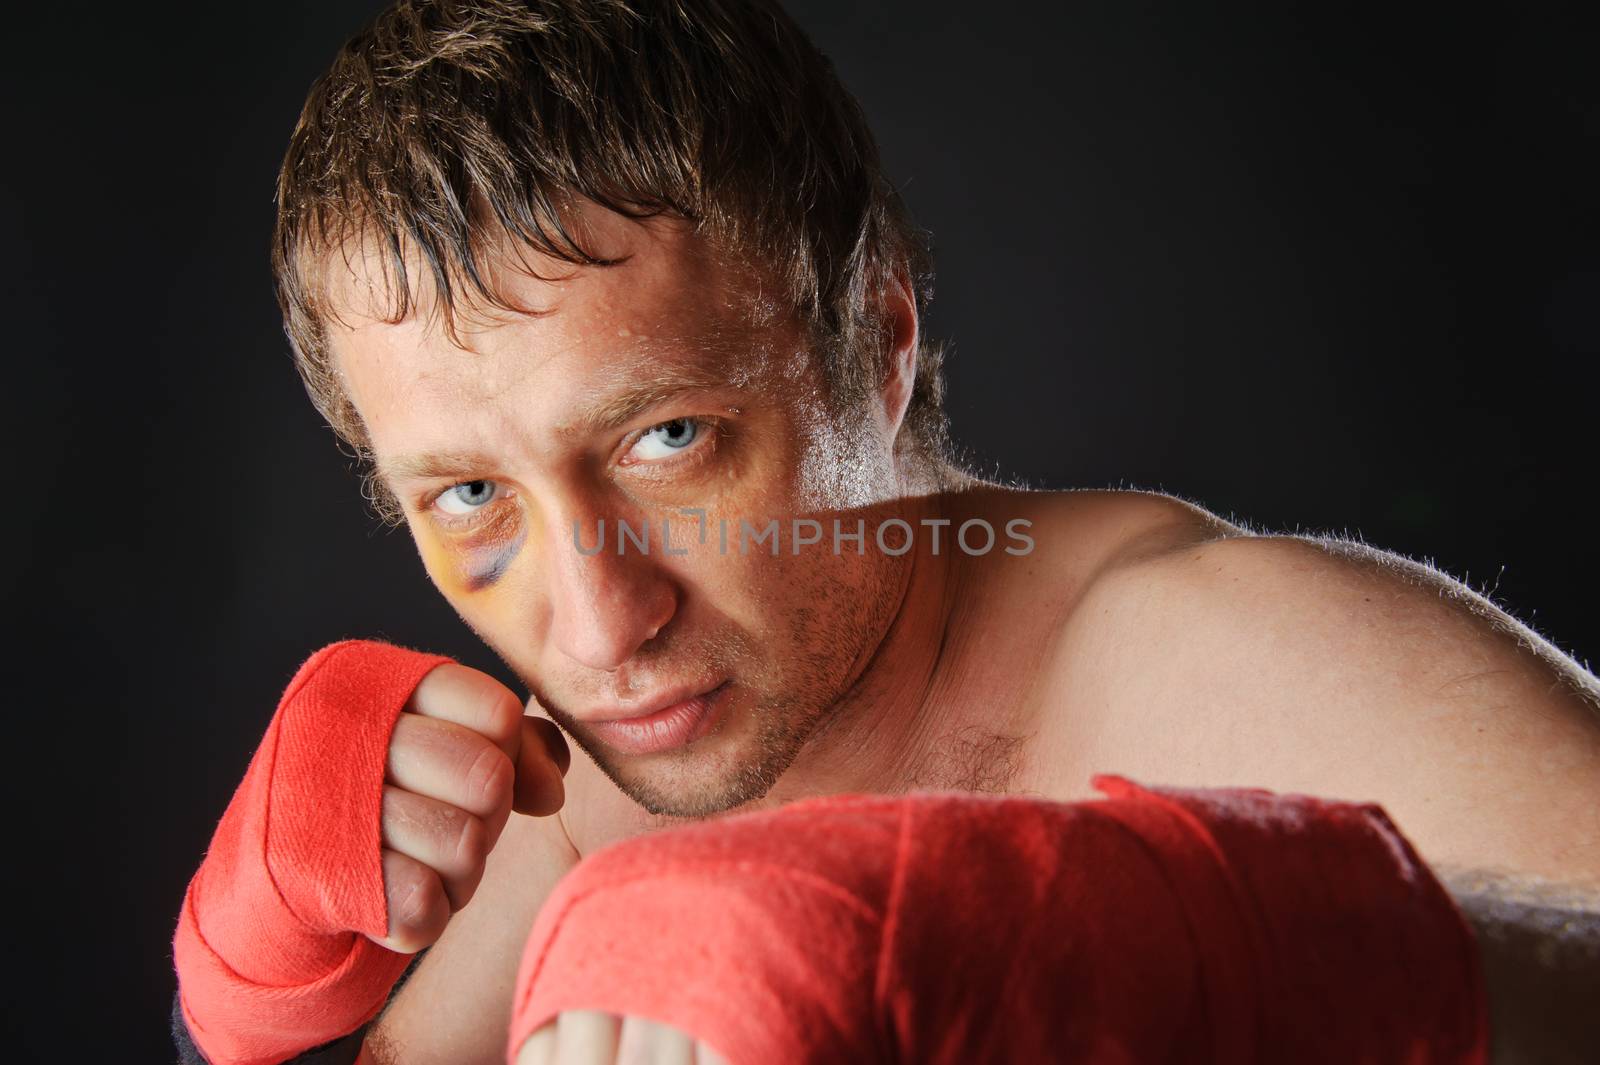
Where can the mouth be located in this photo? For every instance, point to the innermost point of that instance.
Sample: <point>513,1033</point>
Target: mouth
<point>668,727</point>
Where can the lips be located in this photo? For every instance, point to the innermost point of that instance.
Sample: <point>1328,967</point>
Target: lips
<point>677,724</point>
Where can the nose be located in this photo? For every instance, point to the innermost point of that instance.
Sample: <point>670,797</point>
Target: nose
<point>606,605</point>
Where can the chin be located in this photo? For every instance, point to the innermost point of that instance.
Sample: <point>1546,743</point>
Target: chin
<point>716,775</point>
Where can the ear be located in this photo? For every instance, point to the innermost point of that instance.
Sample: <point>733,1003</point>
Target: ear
<point>899,308</point>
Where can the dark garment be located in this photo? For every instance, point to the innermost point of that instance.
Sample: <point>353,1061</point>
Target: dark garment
<point>342,1051</point>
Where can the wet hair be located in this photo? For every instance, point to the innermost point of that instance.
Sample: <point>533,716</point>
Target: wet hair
<point>448,126</point>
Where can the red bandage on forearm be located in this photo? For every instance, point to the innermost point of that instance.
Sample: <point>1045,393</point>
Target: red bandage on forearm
<point>269,953</point>
<point>1225,925</point>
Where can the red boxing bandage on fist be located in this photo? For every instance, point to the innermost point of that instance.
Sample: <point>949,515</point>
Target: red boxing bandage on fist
<point>269,956</point>
<point>1223,925</point>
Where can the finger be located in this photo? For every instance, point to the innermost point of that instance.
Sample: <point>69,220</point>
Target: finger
<point>445,838</point>
<point>451,763</point>
<point>473,700</point>
<point>540,1047</point>
<point>417,905</point>
<point>647,1042</point>
<point>554,740</point>
<point>586,1037</point>
<point>704,1055</point>
<point>542,761</point>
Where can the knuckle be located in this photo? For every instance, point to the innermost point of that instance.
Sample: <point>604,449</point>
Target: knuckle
<point>402,881</point>
<point>472,697</point>
<point>415,913</point>
<point>503,710</point>
<point>471,844</point>
<point>488,778</point>
<point>439,835</point>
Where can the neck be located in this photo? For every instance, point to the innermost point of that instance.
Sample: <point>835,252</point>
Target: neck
<point>888,720</point>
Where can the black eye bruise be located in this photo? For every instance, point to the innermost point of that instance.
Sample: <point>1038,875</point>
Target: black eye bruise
<point>487,566</point>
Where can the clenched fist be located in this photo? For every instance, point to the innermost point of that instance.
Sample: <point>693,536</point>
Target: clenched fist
<point>462,756</point>
<point>592,1037</point>
<point>383,780</point>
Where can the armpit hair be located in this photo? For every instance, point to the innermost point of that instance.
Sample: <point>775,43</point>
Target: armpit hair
<point>971,758</point>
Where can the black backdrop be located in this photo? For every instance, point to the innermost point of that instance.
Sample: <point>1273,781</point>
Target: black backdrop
<point>1314,269</point>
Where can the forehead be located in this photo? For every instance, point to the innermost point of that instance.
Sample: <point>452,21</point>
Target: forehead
<point>672,308</point>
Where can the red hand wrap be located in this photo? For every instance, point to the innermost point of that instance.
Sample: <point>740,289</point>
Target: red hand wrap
<point>1225,925</point>
<point>270,962</point>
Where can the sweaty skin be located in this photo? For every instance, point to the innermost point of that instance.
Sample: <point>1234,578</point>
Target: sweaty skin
<point>1141,636</point>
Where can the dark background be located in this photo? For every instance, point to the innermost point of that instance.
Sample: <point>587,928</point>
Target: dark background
<point>1311,268</point>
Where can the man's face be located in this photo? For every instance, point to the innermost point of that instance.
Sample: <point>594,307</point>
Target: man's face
<point>647,388</point>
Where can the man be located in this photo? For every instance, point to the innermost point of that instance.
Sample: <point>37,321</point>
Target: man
<point>628,321</point>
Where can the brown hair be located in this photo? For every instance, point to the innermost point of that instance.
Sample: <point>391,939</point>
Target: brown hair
<point>450,123</point>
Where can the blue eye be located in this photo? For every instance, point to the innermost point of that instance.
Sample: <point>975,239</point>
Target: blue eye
<point>462,499</point>
<point>661,441</point>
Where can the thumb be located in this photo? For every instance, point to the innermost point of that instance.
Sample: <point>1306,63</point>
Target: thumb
<point>542,760</point>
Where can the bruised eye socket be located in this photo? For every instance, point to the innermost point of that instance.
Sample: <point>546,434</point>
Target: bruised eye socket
<point>462,499</point>
<point>661,441</point>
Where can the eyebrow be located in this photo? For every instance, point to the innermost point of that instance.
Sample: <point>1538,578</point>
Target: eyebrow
<point>639,397</point>
<point>614,411</point>
<point>428,467</point>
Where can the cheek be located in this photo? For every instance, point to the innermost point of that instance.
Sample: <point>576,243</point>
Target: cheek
<point>482,566</point>
<point>799,473</point>
<point>782,597</point>
<point>471,570</point>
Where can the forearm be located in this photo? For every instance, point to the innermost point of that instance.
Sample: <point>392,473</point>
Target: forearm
<point>1540,947</point>
<point>342,1051</point>
<point>339,1052</point>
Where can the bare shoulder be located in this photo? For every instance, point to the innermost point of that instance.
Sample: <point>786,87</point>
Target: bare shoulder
<point>1312,595</point>
<point>1081,533</point>
<point>1058,548</point>
<point>1330,667</point>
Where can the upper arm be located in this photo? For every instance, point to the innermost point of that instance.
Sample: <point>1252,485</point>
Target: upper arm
<point>1315,666</point>
<point>1540,951</point>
